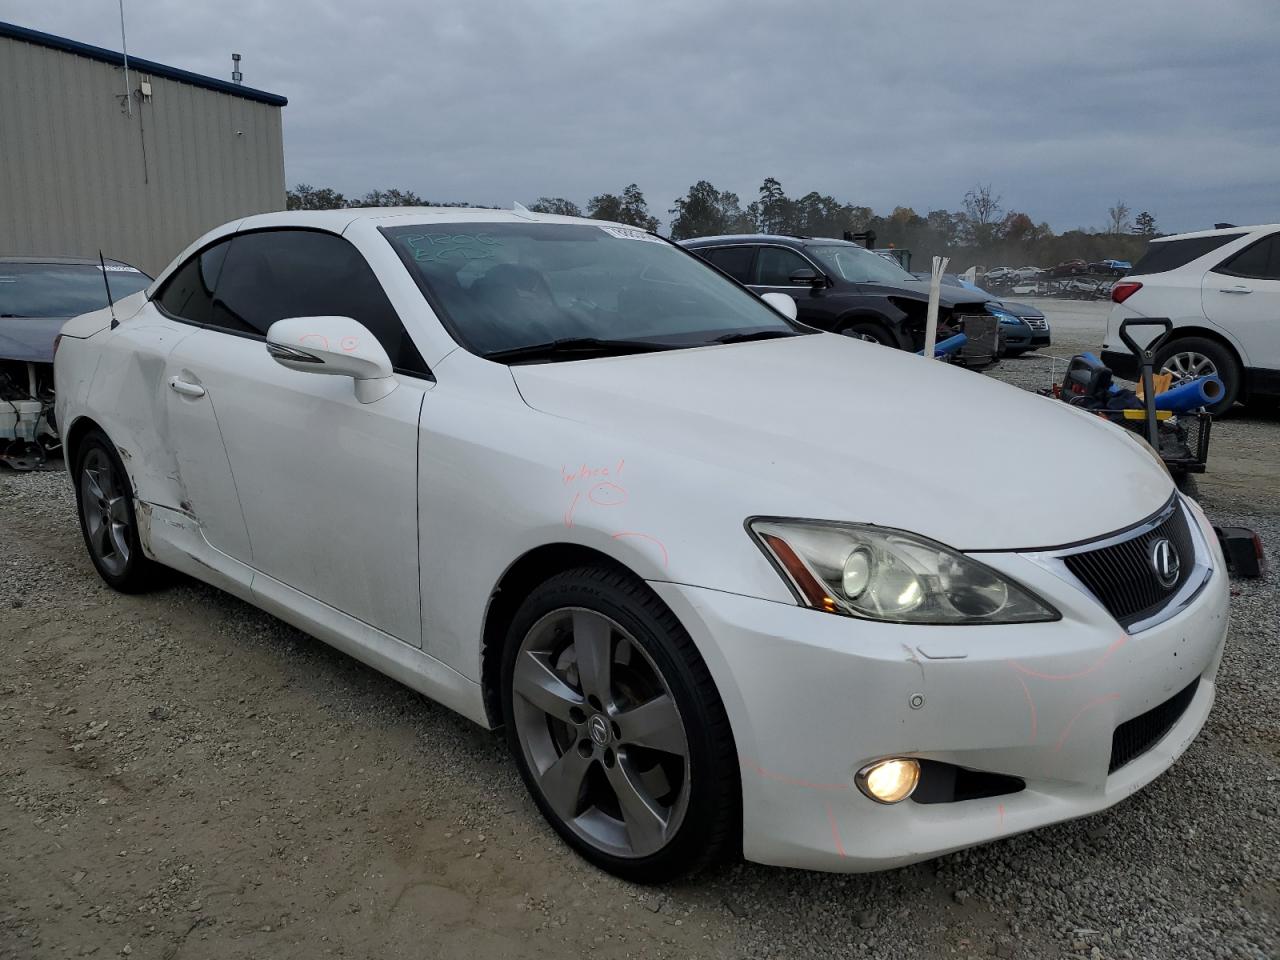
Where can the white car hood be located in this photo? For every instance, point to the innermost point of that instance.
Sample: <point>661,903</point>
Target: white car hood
<point>827,427</point>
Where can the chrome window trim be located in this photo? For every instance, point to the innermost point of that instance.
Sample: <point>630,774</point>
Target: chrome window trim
<point>1200,575</point>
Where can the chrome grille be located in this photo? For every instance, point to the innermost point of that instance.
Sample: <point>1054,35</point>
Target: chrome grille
<point>1122,574</point>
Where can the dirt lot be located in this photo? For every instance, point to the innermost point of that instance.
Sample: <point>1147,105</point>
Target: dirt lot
<point>184,776</point>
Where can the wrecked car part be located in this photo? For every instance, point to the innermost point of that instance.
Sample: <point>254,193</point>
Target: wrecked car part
<point>23,455</point>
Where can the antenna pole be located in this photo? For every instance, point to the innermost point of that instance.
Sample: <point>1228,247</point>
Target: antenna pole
<point>107,283</point>
<point>128,94</point>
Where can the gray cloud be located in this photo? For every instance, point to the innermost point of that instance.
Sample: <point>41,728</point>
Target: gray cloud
<point>1064,108</point>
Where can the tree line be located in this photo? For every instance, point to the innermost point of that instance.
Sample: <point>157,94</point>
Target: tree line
<point>629,206</point>
<point>982,231</point>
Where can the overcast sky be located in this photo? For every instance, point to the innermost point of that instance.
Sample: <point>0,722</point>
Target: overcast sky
<point>1173,107</point>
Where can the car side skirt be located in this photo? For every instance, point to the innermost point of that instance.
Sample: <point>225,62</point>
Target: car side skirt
<point>1261,382</point>
<point>174,538</point>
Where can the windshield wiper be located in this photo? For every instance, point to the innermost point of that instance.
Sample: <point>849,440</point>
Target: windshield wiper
<point>755,335</point>
<point>568,348</point>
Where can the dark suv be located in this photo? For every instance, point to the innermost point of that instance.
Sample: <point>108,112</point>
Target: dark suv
<point>837,285</point>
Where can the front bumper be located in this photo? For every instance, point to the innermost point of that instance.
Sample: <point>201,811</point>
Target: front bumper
<point>813,697</point>
<point>1015,335</point>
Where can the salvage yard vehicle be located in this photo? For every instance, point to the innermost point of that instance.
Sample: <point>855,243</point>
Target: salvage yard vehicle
<point>37,296</point>
<point>838,286</point>
<point>563,477</point>
<point>1221,290</point>
<point>1022,326</point>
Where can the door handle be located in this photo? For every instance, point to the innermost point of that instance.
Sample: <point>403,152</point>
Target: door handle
<point>185,387</point>
<point>1238,288</point>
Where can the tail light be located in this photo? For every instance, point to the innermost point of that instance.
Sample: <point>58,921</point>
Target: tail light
<point>1123,291</point>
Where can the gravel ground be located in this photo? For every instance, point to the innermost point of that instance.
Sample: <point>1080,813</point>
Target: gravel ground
<point>183,775</point>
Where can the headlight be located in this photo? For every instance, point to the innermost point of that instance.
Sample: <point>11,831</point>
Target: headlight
<point>882,574</point>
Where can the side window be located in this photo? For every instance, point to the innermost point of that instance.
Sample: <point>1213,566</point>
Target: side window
<point>775,265</point>
<point>273,274</point>
<point>735,261</point>
<point>1165,255</point>
<point>188,293</point>
<point>1260,261</point>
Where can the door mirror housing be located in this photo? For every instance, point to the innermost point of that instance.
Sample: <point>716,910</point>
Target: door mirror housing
<point>781,302</point>
<point>807,277</point>
<point>336,346</point>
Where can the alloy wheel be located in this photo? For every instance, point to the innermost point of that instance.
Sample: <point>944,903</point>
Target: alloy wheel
<point>601,732</point>
<point>1188,365</point>
<point>104,506</point>
<point>864,334</point>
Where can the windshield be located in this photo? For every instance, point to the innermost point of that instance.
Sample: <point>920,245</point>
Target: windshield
<point>63,289</point>
<point>858,265</point>
<point>501,287</point>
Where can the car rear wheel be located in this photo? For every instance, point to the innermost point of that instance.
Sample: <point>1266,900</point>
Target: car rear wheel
<point>617,728</point>
<point>108,521</point>
<point>1190,357</point>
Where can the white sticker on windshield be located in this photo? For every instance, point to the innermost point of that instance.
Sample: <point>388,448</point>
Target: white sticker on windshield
<point>630,233</point>
<point>120,268</point>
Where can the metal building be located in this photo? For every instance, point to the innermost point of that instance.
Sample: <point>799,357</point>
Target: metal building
<point>83,166</point>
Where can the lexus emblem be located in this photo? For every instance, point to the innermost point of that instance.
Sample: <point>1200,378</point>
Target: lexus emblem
<point>599,728</point>
<point>1165,562</point>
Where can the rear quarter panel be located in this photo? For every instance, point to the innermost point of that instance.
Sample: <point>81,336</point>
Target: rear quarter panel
<point>1176,295</point>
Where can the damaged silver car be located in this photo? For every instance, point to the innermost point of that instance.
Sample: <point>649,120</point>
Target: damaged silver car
<point>37,296</point>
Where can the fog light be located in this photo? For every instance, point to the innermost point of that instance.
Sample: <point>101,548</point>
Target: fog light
<point>888,781</point>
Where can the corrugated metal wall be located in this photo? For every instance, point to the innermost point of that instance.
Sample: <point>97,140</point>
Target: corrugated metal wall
<point>73,177</point>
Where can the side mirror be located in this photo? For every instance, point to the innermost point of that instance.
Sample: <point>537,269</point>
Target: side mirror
<point>805,276</point>
<point>782,303</point>
<point>337,346</point>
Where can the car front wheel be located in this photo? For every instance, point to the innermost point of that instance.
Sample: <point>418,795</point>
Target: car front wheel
<point>104,499</point>
<point>869,331</point>
<point>617,728</point>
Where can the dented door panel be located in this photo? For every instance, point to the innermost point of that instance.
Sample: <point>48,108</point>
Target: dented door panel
<point>196,443</point>
<point>128,395</point>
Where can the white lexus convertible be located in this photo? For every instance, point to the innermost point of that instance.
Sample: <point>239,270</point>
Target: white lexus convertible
<point>724,579</point>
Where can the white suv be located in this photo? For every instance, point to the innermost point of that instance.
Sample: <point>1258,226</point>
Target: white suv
<point>1221,289</point>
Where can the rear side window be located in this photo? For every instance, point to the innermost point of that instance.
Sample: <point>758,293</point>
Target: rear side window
<point>1260,261</point>
<point>273,274</point>
<point>1165,255</point>
<point>735,261</point>
<point>188,294</point>
<point>775,265</point>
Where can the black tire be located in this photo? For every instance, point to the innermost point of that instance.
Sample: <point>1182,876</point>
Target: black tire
<point>1016,352</point>
<point>1223,360</point>
<point>709,785</point>
<point>108,521</point>
<point>871,331</point>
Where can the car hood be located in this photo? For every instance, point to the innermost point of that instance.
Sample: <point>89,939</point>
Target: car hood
<point>29,338</point>
<point>827,427</point>
<point>1021,309</point>
<point>948,296</point>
